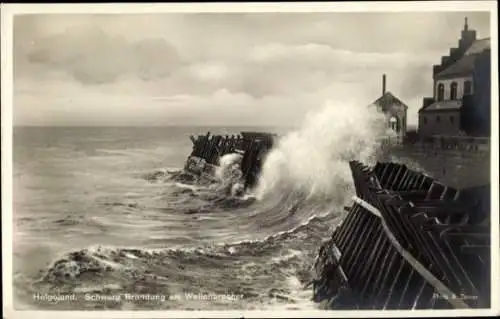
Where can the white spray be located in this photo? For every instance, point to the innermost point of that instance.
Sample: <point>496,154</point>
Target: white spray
<point>229,174</point>
<point>315,158</point>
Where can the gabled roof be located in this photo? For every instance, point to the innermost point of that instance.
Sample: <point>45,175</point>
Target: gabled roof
<point>388,100</point>
<point>443,105</point>
<point>465,65</point>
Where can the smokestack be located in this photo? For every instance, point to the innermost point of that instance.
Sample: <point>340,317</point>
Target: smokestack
<point>383,84</point>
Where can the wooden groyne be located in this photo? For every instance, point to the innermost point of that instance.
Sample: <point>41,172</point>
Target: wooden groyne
<point>208,149</point>
<point>407,242</point>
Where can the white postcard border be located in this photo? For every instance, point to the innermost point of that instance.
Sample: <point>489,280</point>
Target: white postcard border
<point>9,10</point>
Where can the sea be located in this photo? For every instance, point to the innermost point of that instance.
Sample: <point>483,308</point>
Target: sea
<point>105,218</point>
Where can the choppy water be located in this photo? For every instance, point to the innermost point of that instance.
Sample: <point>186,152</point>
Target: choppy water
<point>107,211</point>
<point>108,214</point>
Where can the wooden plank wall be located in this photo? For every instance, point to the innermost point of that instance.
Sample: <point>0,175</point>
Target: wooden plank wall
<point>252,146</point>
<point>429,246</point>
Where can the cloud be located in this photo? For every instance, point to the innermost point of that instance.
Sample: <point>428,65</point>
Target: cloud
<point>311,52</point>
<point>136,103</point>
<point>92,56</point>
<point>210,71</point>
<point>222,68</point>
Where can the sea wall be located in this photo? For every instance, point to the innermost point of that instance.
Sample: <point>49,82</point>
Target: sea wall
<point>459,163</point>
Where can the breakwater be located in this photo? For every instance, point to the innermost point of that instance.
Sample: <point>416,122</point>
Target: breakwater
<point>417,235</point>
<point>209,149</point>
<point>407,242</point>
<point>455,161</point>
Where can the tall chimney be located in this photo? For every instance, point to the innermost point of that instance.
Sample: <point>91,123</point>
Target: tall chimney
<point>383,84</point>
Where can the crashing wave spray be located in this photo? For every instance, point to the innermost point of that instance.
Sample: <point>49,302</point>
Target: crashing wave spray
<point>315,158</point>
<point>229,174</point>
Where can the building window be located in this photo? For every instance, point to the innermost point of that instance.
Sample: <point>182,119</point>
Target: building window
<point>453,92</point>
<point>438,119</point>
<point>393,123</point>
<point>451,118</point>
<point>440,93</point>
<point>467,87</point>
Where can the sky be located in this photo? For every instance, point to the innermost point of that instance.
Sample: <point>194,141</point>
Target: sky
<point>233,69</point>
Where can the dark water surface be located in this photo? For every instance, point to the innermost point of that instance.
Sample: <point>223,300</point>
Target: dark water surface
<point>105,213</point>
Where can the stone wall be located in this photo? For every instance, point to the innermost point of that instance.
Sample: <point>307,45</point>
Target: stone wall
<point>465,165</point>
<point>439,122</point>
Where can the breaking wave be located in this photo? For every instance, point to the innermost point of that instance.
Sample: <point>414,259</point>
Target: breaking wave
<point>314,159</point>
<point>213,237</point>
<point>256,270</point>
<point>229,174</point>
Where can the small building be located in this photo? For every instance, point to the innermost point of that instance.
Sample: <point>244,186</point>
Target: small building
<point>461,99</point>
<point>394,109</point>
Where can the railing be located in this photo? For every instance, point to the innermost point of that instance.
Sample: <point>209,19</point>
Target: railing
<point>408,242</point>
<point>462,143</point>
